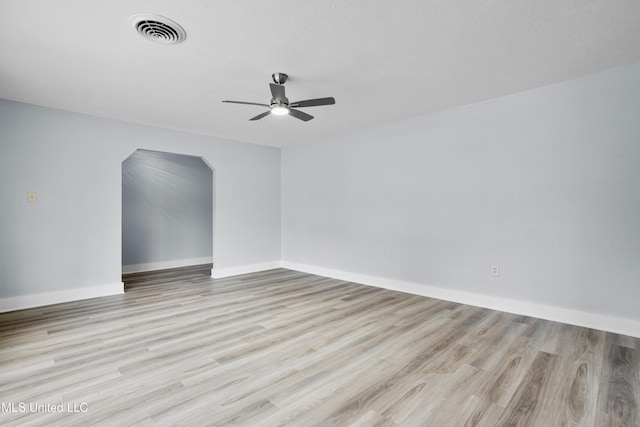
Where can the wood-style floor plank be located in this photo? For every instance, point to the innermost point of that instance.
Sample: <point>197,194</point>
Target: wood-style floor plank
<point>283,348</point>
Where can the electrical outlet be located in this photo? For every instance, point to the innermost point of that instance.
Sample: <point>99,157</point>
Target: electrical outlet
<point>31,197</point>
<point>495,270</point>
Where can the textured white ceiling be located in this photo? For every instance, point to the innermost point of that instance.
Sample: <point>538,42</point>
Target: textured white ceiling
<point>382,60</point>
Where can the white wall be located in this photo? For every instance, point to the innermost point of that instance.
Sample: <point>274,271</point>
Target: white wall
<point>70,239</point>
<point>544,183</point>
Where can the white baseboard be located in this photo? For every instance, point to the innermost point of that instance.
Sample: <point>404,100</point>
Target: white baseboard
<point>56,297</point>
<point>163,265</point>
<point>574,317</point>
<point>219,273</point>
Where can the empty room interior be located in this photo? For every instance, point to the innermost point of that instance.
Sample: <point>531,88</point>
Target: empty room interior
<point>320,213</point>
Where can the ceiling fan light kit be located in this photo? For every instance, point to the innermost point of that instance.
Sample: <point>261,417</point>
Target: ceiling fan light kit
<point>279,110</point>
<point>280,105</point>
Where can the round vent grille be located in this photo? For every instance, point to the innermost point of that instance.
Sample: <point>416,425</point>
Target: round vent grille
<point>158,29</point>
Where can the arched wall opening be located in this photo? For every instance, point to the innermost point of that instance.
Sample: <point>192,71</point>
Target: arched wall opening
<point>168,209</point>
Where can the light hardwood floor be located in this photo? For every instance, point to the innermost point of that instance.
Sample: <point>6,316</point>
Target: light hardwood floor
<point>287,348</point>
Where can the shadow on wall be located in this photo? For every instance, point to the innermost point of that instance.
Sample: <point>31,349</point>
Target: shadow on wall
<point>167,211</point>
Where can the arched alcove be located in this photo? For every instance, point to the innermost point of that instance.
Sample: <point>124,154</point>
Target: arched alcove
<point>167,211</point>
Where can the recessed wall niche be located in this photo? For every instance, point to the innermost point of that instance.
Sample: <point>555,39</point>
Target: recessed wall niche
<point>167,211</point>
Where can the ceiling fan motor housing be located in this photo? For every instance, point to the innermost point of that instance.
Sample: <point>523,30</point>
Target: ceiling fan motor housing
<point>282,102</point>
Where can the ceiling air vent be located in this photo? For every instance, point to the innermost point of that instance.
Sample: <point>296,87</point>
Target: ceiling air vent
<point>158,29</point>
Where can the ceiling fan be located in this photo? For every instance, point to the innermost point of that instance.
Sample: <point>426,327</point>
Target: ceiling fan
<point>281,106</point>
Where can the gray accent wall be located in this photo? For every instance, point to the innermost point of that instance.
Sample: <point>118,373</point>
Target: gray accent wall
<point>167,208</point>
<point>71,237</point>
<point>545,184</point>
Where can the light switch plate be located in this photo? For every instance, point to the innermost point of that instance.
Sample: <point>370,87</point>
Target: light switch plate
<point>495,270</point>
<point>31,197</point>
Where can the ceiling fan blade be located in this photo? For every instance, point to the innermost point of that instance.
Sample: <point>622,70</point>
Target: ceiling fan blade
<point>300,115</point>
<point>247,103</point>
<point>313,102</point>
<point>259,116</point>
<point>277,91</point>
